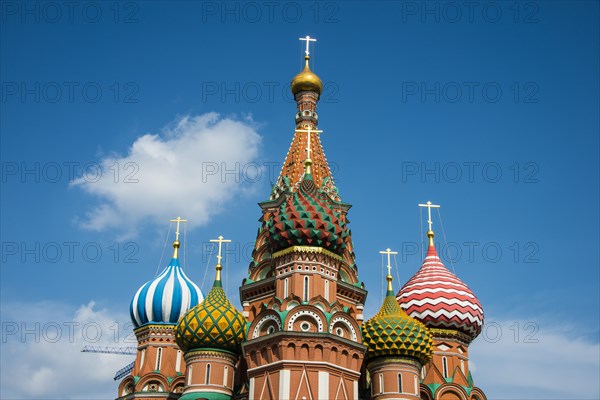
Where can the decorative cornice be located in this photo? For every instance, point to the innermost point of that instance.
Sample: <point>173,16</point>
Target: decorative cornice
<point>438,333</point>
<point>386,360</point>
<point>306,249</point>
<point>295,336</point>
<point>254,290</point>
<point>156,326</point>
<point>150,329</point>
<point>285,364</point>
<point>351,288</point>
<point>193,355</point>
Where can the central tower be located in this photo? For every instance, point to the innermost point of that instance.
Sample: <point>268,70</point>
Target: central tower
<point>302,297</point>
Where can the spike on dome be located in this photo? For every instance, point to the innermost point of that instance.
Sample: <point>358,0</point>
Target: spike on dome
<point>306,80</point>
<point>215,323</point>
<point>391,332</point>
<point>439,299</point>
<point>165,298</point>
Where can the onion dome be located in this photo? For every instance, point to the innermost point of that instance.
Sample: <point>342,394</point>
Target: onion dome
<point>167,297</point>
<point>391,332</point>
<point>307,218</point>
<point>213,324</point>
<point>307,81</point>
<point>436,297</point>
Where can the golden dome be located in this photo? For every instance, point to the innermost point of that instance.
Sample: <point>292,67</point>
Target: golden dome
<point>307,81</point>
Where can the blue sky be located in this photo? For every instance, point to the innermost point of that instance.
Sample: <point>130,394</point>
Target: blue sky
<point>490,111</point>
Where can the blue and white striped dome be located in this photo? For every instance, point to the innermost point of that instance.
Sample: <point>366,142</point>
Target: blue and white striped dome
<point>166,298</point>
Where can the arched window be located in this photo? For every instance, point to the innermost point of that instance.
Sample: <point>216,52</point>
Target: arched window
<point>380,383</point>
<point>344,277</point>
<point>423,372</point>
<point>285,288</point>
<point>327,290</point>
<point>158,357</point>
<point>462,366</point>
<point>178,361</point>
<point>153,386</point>
<point>416,385</point>
<point>225,373</point>
<point>306,288</point>
<point>129,388</point>
<point>208,374</point>
<point>399,383</point>
<point>178,389</point>
<point>189,375</point>
<point>142,358</point>
<point>445,366</point>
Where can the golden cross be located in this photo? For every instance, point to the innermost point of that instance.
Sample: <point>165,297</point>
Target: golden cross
<point>178,220</point>
<point>308,39</point>
<point>429,207</point>
<point>220,240</point>
<point>308,132</point>
<point>389,252</point>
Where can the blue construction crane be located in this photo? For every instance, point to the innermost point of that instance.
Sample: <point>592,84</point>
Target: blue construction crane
<point>128,351</point>
<point>123,372</point>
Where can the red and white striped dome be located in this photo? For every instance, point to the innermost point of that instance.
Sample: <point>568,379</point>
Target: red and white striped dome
<point>436,297</point>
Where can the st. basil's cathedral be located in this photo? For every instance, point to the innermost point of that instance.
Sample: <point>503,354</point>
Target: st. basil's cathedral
<point>301,333</point>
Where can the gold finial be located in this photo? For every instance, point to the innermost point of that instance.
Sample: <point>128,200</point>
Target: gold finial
<point>176,243</point>
<point>389,277</point>
<point>308,161</point>
<point>430,233</point>
<point>219,267</point>
<point>307,166</point>
<point>306,80</point>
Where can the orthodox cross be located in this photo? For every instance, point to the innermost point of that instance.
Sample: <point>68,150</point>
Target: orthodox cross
<point>308,132</point>
<point>178,220</point>
<point>429,207</point>
<point>220,240</point>
<point>308,39</point>
<point>389,252</point>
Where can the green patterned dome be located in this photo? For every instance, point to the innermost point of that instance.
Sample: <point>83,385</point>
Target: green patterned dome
<point>391,332</point>
<point>307,218</point>
<point>215,323</point>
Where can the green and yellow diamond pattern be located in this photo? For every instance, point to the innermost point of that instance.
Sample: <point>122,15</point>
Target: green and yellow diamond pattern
<point>215,323</point>
<point>392,332</point>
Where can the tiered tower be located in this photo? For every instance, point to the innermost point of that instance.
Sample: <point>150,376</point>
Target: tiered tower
<point>398,347</point>
<point>454,316</point>
<point>158,371</point>
<point>210,334</point>
<point>301,334</point>
<point>302,297</point>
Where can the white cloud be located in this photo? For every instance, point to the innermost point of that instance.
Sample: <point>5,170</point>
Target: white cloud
<point>523,359</point>
<point>193,168</point>
<point>42,359</point>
